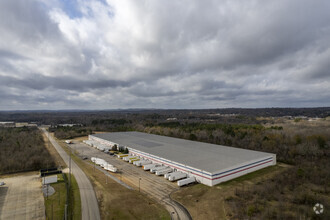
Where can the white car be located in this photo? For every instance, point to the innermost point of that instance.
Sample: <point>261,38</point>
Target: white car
<point>2,183</point>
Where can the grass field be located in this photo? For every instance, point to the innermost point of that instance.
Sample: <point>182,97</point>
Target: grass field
<point>55,204</point>
<point>74,198</point>
<point>116,201</point>
<point>204,202</point>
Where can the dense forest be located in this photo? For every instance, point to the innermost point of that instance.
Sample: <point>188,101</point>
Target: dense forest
<point>243,115</point>
<point>23,149</point>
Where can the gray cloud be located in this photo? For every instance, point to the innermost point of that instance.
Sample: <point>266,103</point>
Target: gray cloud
<point>181,54</point>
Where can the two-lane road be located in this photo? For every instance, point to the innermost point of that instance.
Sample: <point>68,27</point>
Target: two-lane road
<point>89,205</point>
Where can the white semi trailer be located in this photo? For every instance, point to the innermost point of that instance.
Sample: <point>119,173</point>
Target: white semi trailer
<point>99,161</point>
<point>110,168</point>
<point>164,171</point>
<point>122,155</point>
<point>129,158</point>
<point>137,162</point>
<point>177,176</point>
<point>186,181</point>
<point>153,170</point>
<point>150,166</point>
<point>142,163</point>
<point>133,160</point>
<point>167,175</point>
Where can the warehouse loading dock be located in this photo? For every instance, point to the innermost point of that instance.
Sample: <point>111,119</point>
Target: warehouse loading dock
<point>210,164</point>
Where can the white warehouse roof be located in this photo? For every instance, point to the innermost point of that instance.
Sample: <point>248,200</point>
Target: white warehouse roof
<point>203,156</point>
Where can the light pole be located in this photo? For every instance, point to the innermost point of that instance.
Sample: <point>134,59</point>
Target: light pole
<point>139,183</point>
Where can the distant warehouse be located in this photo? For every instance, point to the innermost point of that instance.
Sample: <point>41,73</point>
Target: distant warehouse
<point>209,163</point>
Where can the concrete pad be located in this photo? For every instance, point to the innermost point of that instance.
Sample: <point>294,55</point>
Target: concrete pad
<point>21,198</point>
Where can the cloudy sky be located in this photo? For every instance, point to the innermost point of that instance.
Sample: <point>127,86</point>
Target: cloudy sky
<point>107,54</point>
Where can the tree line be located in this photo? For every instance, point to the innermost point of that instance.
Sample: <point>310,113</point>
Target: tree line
<point>23,149</point>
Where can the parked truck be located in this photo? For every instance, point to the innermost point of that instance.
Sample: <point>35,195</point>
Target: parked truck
<point>133,160</point>
<point>150,166</point>
<point>177,176</point>
<point>129,158</point>
<point>142,163</point>
<point>153,170</point>
<point>99,161</point>
<point>122,155</point>
<point>164,171</point>
<point>167,175</point>
<point>186,181</point>
<point>110,168</point>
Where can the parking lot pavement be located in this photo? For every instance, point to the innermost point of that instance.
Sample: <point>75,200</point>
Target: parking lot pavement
<point>158,186</point>
<point>155,186</point>
<point>21,198</point>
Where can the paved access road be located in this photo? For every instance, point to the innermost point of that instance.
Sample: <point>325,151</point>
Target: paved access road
<point>89,206</point>
<point>21,197</point>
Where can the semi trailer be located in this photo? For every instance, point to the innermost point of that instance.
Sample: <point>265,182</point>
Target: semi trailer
<point>153,170</point>
<point>150,166</point>
<point>142,163</point>
<point>164,171</point>
<point>133,160</point>
<point>177,176</point>
<point>186,181</point>
<point>122,155</point>
<point>167,175</point>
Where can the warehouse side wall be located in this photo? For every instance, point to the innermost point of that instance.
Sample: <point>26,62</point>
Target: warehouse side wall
<point>243,169</point>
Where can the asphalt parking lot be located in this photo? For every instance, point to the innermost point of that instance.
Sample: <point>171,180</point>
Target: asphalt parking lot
<point>21,197</point>
<point>158,186</point>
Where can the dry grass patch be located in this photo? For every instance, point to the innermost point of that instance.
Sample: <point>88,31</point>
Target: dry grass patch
<point>53,152</point>
<point>204,202</point>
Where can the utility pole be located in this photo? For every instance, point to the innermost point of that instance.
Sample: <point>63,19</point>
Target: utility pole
<point>47,190</point>
<point>70,169</point>
<point>52,210</point>
<point>66,212</point>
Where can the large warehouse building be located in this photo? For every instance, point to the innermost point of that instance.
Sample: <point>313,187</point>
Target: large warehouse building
<point>209,163</point>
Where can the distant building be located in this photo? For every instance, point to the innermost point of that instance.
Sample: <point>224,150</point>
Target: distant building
<point>171,119</point>
<point>21,124</point>
<point>68,125</point>
<point>7,124</point>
